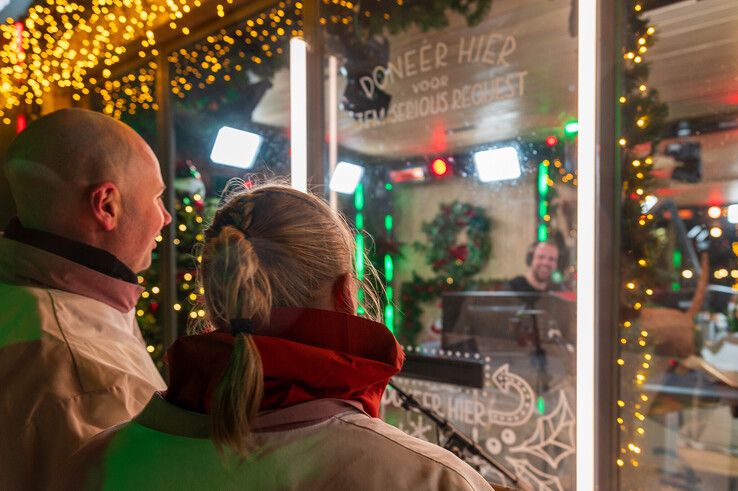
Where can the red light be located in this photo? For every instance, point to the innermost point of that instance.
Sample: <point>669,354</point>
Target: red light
<point>20,124</point>
<point>439,167</point>
<point>551,141</point>
<point>412,174</point>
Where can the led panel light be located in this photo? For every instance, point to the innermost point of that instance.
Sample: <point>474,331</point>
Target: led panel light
<point>733,213</point>
<point>648,203</point>
<point>235,147</point>
<point>497,164</point>
<point>346,177</point>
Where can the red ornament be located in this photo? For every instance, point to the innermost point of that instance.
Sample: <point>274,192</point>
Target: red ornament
<point>153,307</point>
<point>459,252</point>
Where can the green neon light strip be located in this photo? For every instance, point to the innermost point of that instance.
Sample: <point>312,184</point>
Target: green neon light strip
<point>388,223</point>
<point>677,261</point>
<point>542,180</point>
<point>542,233</point>
<point>389,317</point>
<point>542,208</point>
<point>360,309</point>
<point>389,268</point>
<point>360,267</point>
<point>677,258</point>
<point>360,256</point>
<point>542,201</point>
<point>359,197</point>
<point>541,404</point>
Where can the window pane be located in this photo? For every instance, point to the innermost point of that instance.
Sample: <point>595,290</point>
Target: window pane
<point>453,137</point>
<point>678,365</point>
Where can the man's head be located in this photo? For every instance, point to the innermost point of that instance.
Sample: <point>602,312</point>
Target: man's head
<point>88,177</point>
<point>542,260</point>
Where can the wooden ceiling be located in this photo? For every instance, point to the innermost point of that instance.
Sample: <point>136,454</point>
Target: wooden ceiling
<point>695,68</point>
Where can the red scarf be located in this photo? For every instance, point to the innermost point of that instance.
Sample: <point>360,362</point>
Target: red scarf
<point>307,354</point>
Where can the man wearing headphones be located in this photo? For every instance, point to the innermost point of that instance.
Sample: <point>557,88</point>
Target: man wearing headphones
<point>542,260</point>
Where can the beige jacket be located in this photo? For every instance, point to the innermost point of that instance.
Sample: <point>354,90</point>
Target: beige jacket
<point>324,444</point>
<point>72,361</point>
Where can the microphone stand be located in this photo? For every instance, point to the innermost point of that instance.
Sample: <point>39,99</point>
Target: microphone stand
<point>456,441</point>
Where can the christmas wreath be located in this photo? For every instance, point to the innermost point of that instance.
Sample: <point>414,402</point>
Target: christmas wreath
<point>454,263</point>
<point>444,254</point>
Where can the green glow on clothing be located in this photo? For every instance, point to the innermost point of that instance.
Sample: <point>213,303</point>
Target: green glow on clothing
<point>142,458</point>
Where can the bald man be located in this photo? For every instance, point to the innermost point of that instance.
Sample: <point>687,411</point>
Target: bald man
<point>88,191</point>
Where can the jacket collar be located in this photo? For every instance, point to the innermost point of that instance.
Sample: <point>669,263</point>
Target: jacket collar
<point>306,355</point>
<point>35,265</point>
<point>161,415</point>
<point>78,252</point>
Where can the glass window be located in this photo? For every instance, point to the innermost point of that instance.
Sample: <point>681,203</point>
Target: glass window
<point>452,148</point>
<point>678,331</point>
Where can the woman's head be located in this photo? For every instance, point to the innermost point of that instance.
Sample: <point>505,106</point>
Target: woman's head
<point>271,246</point>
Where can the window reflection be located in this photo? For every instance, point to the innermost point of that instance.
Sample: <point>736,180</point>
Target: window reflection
<point>679,372</point>
<point>463,123</point>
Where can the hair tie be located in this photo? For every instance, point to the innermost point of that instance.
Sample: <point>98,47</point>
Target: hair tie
<point>241,326</point>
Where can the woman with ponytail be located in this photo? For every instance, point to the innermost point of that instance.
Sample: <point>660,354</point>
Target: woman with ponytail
<point>281,387</point>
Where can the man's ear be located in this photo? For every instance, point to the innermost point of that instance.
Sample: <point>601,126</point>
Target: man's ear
<point>344,294</point>
<point>105,203</point>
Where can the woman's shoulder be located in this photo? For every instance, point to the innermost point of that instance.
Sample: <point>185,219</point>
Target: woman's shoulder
<point>387,443</point>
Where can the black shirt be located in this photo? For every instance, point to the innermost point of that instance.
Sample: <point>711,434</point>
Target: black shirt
<point>521,284</point>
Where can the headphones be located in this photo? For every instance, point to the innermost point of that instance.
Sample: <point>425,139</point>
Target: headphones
<point>532,249</point>
<point>529,253</point>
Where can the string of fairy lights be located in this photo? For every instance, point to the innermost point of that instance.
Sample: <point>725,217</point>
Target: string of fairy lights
<point>62,44</point>
<point>72,46</point>
<point>638,286</point>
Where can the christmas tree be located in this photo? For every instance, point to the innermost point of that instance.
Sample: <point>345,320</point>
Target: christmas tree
<point>191,212</point>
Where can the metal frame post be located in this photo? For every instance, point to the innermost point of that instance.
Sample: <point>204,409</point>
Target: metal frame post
<point>610,17</point>
<point>165,149</point>
<point>316,147</point>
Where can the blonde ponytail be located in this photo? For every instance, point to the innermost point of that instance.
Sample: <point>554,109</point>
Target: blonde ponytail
<point>236,288</point>
<point>238,396</point>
